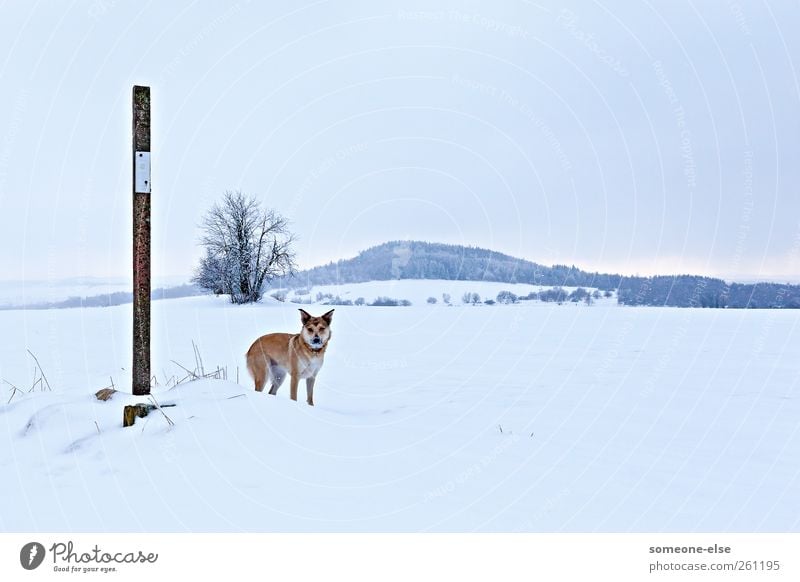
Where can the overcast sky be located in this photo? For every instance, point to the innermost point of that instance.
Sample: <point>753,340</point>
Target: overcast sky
<point>634,137</point>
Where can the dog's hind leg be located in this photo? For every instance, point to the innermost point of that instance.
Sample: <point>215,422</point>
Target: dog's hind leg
<point>277,375</point>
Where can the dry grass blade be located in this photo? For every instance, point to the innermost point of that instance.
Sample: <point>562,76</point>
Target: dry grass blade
<point>158,406</point>
<point>38,365</point>
<point>199,372</point>
<point>187,370</point>
<point>14,390</point>
<point>198,359</point>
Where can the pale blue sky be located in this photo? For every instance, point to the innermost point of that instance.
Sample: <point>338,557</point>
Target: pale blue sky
<point>635,137</point>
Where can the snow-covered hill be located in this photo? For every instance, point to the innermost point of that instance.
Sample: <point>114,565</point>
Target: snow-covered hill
<point>527,417</point>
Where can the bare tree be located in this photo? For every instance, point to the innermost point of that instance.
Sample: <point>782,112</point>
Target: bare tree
<point>246,247</point>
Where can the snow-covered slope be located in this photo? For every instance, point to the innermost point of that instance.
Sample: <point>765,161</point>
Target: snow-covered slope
<point>529,417</point>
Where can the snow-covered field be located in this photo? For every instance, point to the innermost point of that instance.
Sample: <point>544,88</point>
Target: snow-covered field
<point>528,417</point>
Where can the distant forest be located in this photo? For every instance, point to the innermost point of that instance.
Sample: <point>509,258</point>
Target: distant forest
<point>423,260</point>
<point>110,299</point>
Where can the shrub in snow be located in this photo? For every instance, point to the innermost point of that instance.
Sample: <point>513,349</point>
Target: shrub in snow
<point>506,297</point>
<point>432,300</point>
<point>580,294</point>
<point>389,302</point>
<point>337,301</point>
<point>556,294</point>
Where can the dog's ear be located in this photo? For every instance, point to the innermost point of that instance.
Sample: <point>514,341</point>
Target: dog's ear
<point>304,316</point>
<point>328,316</point>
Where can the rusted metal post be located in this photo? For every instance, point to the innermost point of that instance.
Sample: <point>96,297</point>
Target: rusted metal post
<point>141,240</point>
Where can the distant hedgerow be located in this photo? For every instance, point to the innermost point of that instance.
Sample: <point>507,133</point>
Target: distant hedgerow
<point>389,302</point>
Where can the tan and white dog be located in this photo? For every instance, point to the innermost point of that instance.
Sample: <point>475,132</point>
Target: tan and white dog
<point>301,355</point>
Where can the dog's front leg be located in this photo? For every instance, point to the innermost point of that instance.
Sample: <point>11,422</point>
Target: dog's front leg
<point>310,390</point>
<point>293,386</point>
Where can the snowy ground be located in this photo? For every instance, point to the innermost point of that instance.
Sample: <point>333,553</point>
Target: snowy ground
<point>530,417</point>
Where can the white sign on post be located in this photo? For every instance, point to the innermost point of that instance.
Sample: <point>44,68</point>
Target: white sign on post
<point>142,172</point>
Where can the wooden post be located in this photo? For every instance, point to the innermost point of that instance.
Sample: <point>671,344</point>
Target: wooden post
<point>141,240</point>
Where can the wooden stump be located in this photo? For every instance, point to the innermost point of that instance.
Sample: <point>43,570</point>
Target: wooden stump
<point>131,412</point>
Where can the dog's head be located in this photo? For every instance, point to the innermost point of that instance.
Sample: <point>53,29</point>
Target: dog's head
<point>316,330</point>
